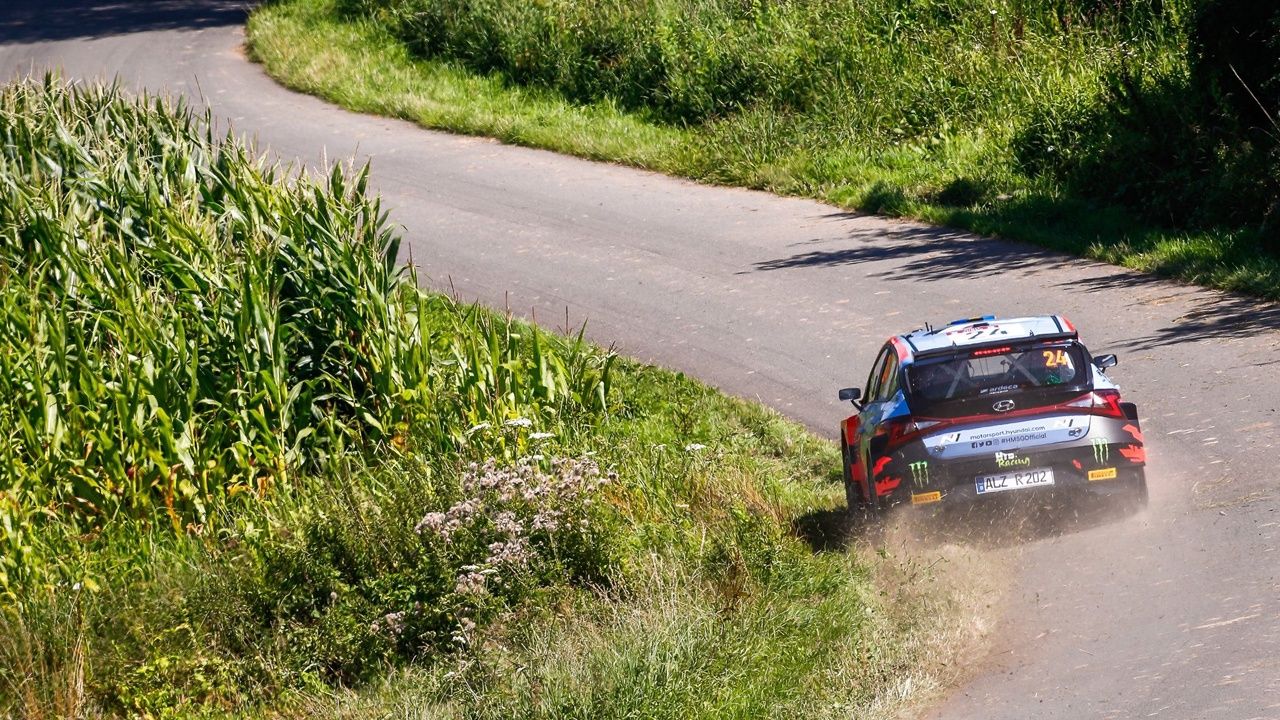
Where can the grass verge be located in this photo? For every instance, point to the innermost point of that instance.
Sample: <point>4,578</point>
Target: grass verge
<point>251,469</point>
<point>1000,92</point>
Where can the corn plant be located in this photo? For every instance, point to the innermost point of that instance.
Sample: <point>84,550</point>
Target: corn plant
<point>183,322</point>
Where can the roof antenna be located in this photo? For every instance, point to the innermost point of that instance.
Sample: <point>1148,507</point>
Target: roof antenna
<point>928,328</point>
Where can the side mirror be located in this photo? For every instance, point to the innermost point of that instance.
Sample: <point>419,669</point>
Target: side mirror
<point>850,394</point>
<point>1102,362</point>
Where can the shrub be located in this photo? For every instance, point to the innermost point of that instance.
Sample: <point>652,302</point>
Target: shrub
<point>1185,145</point>
<point>1129,103</point>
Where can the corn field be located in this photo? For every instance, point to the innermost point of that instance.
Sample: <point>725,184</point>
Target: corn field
<point>184,324</point>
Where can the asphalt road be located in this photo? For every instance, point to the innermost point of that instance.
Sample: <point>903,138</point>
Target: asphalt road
<point>1172,613</point>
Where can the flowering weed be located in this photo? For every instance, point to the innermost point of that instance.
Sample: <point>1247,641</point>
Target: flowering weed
<point>406,566</point>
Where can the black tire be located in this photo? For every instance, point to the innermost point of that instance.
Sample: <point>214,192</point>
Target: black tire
<point>852,493</point>
<point>875,507</point>
<point>1136,497</point>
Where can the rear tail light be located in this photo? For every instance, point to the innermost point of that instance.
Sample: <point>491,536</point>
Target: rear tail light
<point>1104,403</point>
<point>903,431</point>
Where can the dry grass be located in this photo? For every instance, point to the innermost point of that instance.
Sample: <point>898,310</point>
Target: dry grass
<point>949,596</point>
<point>47,669</point>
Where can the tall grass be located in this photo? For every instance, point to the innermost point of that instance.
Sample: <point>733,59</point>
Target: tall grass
<point>885,67</point>
<point>190,335</point>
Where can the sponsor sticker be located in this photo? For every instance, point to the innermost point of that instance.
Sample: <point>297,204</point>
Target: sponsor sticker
<point>1101,450</point>
<point>1103,474</point>
<point>1007,460</point>
<point>1010,437</point>
<point>925,498</point>
<point>920,472</point>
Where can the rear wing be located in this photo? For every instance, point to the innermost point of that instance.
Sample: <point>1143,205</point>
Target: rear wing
<point>1001,344</point>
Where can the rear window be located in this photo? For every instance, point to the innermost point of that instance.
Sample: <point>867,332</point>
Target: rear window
<point>981,376</point>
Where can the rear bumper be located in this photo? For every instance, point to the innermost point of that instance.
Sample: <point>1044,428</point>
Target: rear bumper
<point>1109,460</point>
<point>1067,480</point>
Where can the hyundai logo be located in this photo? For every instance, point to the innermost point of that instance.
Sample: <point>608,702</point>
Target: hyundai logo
<point>1003,406</point>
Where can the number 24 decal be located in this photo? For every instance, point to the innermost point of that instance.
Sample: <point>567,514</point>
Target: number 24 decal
<point>1056,358</point>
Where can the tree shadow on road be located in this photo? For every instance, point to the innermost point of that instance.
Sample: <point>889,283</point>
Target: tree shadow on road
<point>29,21</point>
<point>925,254</point>
<point>1213,314</point>
<point>922,254</point>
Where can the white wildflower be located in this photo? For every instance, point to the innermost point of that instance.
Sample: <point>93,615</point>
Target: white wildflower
<point>433,521</point>
<point>471,583</point>
<point>694,447</point>
<point>507,524</point>
<point>395,622</point>
<point>519,422</point>
<point>548,520</point>
<point>514,553</point>
<point>465,627</point>
<point>541,435</point>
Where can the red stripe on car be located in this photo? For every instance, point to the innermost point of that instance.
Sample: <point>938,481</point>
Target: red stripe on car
<point>880,465</point>
<point>887,485</point>
<point>1135,432</point>
<point>1135,453</point>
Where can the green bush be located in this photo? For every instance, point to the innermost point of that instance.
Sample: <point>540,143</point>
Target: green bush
<point>1188,144</point>
<point>891,104</point>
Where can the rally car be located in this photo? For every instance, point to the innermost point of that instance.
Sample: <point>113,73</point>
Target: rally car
<point>988,408</point>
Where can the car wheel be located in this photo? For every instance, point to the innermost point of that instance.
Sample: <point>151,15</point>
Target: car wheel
<point>852,493</point>
<point>1135,497</point>
<point>875,507</point>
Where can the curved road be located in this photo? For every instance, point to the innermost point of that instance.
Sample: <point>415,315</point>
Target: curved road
<point>1173,613</point>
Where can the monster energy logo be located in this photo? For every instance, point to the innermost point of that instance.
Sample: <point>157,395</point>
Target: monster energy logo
<point>920,472</point>
<point>1101,450</point>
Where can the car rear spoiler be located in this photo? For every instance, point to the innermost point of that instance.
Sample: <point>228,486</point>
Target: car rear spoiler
<point>1018,342</point>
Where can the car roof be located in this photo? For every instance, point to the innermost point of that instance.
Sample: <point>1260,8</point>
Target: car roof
<point>986,330</point>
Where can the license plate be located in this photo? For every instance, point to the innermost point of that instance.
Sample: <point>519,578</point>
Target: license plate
<point>1014,480</point>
